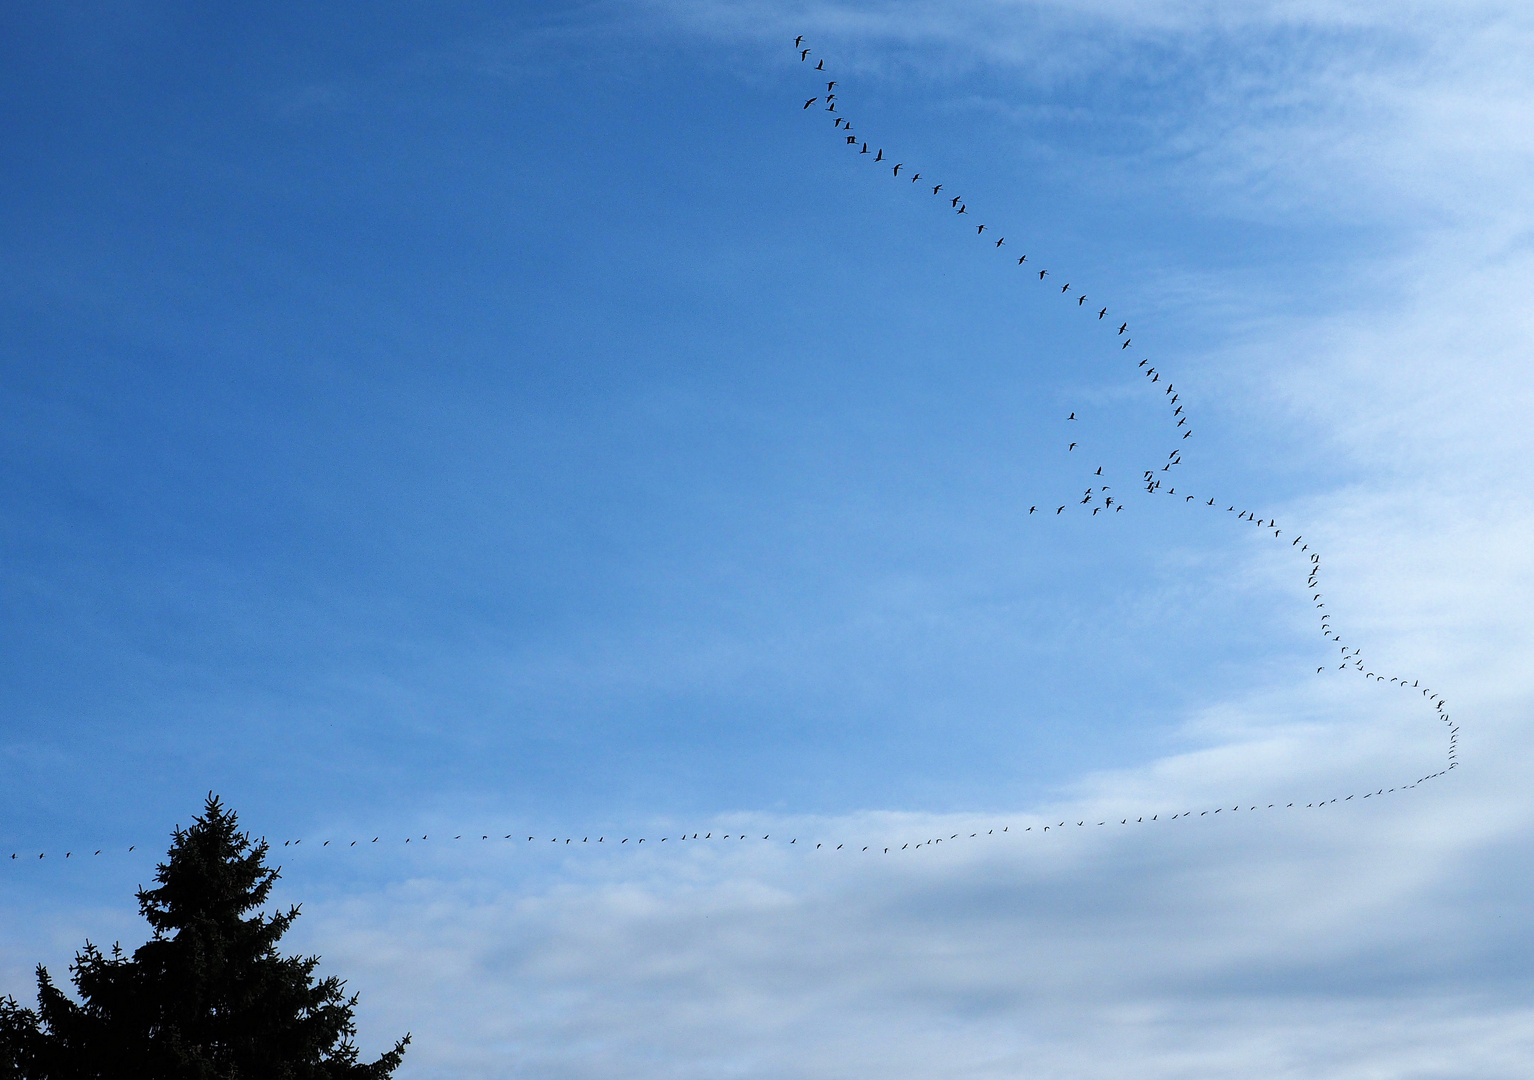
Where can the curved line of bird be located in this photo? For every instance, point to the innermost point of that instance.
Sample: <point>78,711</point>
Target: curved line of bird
<point>1153,483</point>
<point>1152,480</point>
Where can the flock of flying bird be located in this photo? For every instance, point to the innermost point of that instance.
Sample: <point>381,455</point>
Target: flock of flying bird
<point>1095,497</point>
<point>1152,479</point>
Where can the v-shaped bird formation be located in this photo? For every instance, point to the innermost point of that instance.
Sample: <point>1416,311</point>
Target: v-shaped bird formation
<point>1095,499</point>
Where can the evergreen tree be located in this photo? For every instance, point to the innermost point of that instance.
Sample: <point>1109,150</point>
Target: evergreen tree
<point>208,997</point>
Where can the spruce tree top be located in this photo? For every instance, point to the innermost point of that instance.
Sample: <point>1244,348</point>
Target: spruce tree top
<point>208,997</point>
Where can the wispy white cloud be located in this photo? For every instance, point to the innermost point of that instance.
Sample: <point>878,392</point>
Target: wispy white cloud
<point>1359,941</point>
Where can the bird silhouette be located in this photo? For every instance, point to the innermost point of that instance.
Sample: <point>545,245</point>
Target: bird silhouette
<point>810,102</point>
<point>803,54</point>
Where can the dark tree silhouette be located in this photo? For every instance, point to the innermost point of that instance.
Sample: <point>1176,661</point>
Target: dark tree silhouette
<point>208,997</point>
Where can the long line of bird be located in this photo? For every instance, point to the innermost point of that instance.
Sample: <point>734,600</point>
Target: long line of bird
<point>619,843</point>
<point>1096,497</point>
<point>1153,482</point>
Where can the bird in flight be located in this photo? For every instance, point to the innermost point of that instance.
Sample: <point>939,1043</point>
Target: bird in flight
<point>955,200</point>
<point>1123,328</point>
<point>1061,508</point>
<point>803,53</point>
<point>1099,470</point>
<point>1001,241</point>
<point>937,188</point>
<point>1071,447</point>
<point>880,157</point>
<point>963,208</point>
<point>820,65</point>
<point>1042,273</point>
<point>1101,313</point>
<point>979,229</point>
<point>1071,417</point>
<point>810,102</point>
<point>1031,509</point>
<point>1066,287</point>
<point>896,170</point>
<point>798,41</point>
<point>1080,300</point>
<point>864,150</point>
<point>830,86</point>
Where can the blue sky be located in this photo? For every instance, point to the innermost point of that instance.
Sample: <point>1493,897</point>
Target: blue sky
<point>460,419</point>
